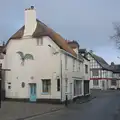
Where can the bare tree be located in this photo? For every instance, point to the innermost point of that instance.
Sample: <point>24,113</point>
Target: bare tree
<point>116,36</point>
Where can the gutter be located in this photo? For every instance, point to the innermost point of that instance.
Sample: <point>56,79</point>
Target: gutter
<point>71,55</point>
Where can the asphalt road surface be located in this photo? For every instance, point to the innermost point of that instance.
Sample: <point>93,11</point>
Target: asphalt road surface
<point>105,107</point>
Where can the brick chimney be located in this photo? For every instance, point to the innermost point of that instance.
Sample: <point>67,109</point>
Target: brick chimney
<point>30,21</point>
<point>74,45</point>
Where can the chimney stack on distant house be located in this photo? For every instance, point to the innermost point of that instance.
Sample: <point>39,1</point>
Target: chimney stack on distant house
<point>112,64</point>
<point>74,45</point>
<point>30,21</point>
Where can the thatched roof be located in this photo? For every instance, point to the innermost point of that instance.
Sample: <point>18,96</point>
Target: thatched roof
<point>43,30</point>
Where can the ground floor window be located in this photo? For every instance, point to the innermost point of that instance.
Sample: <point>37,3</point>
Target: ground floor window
<point>113,82</point>
<point>86,87</point>
<point>58,84</point>
<point>46,85</point>
<point>77,87</point>
<point>95,82</point>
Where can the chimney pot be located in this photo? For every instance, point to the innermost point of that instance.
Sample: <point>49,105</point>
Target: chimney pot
<point>32,7</point>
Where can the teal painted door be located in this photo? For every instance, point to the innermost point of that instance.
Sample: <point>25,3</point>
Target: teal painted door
<point>32,92</point>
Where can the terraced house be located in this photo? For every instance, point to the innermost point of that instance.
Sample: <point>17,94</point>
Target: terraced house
<point>102,75</point>
<point>43,66</point>
<point>115,83</point>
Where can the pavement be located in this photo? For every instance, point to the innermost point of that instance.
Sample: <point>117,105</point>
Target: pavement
<point>34,111</point>
<point>106,106</point>
<point>21,110</point>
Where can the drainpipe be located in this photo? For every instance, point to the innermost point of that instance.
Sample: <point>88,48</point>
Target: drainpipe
<point>61,74</point>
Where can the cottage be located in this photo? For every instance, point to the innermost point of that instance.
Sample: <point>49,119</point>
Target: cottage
<point>43,66</point>
<point>103,76</point>
<point>115,82</point>
<point>101,73</point>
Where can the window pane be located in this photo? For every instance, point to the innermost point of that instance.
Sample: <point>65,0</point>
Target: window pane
<point>65,61</point>
<point>86,68</point>
<point>95,72</point>
<point>58,84</point>
<point>77,87</point>
<point>46,86</point>
<point>95,82</point>
<point>113,82</point>
<point>66,84</point>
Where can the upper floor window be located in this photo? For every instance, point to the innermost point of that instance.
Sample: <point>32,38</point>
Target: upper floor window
<point>73,64</point>
<point>65,61</point>
<point>66,84</point>
<point>86,68</point>
<point>95,72</point>
<point>78,66</point>
<point>40,41</point>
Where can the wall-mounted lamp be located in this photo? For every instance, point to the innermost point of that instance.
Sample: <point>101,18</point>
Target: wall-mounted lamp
<point>49,45</point>
<point>53,49</point>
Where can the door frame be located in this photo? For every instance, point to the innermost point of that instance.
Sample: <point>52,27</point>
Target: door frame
<point>33,86</point>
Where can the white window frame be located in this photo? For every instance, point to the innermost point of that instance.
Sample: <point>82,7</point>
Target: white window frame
<point>46,87</point>
<point>95,82</point>
<point>66,85</point>
<point>39,41</point>
<point>73,65</point>
<point>79,65</point>
<point>86,68</point>
<point>93,72</point>
<point>66,62</point>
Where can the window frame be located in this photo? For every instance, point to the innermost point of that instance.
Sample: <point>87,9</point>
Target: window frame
<point>95,72</point>
<point>95,82</point>
<point>58,84</point>
<point>73,64</point>
<point>86,68</point>
<point>47,85</point>
<point>79,65</point>
<point>66,62</point>
<point>39,41</point>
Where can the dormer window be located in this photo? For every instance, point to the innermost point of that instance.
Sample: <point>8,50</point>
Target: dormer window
<point>39,41</point>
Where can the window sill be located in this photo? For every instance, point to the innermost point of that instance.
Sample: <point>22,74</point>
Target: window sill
<point>45,93</point>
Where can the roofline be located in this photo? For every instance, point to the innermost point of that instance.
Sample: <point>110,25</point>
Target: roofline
<point>95,59</point>
<point>70,55</point>
<point>99,63</point>
<point>86,58</point>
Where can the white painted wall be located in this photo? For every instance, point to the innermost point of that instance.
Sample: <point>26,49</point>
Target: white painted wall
<point>86,75</point>
<point>44,66</point>
<point>71,75</point>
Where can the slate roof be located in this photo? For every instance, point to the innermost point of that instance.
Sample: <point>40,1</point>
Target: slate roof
<point>83,51</point>
<point>43,30</point>
<point>102,62</point>
<point>116,68</point>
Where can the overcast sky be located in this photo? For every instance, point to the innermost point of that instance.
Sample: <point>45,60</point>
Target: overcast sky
<point>87,21</point>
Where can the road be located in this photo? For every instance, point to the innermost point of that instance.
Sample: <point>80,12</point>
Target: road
<point>105,107</point>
